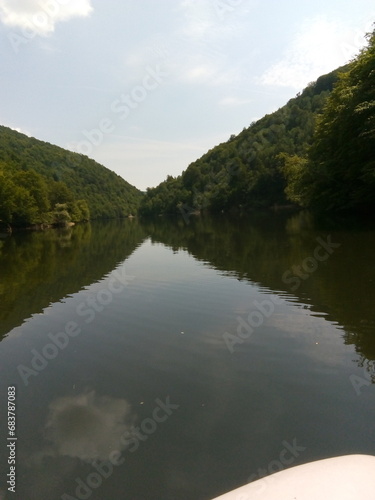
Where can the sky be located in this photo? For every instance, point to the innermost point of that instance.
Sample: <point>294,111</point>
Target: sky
<point>145,87</point>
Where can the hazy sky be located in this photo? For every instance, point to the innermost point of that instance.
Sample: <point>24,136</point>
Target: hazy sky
<point>145,87</point>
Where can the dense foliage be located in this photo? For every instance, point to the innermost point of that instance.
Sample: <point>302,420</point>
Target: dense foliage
<point>244,172</point>
<point>339,172</point>
<point>44,184</point>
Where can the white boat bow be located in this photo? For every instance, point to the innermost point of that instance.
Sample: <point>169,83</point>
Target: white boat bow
<point>349,477</point>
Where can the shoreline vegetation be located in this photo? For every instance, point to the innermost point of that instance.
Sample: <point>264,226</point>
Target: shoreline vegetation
<point>316,153</point>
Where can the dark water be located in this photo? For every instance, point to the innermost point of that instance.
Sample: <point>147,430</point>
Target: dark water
<point>179,359</point>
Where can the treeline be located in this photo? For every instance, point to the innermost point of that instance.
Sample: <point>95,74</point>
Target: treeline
<point>44,184</point>
<point>316,151</point>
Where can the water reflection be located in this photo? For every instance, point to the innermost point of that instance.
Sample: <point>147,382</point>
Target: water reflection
<point>88,426</point>
<point>40,268</point>
<point>162,337</point>
<point>260,249</point>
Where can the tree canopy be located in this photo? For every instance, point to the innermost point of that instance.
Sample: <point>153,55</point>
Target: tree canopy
<point>42,183</point>
<point>339,173</point>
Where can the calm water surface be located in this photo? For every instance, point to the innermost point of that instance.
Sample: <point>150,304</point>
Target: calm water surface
<point>179,359</point>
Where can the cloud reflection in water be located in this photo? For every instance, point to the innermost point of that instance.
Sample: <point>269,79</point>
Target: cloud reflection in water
<point>88,426</point>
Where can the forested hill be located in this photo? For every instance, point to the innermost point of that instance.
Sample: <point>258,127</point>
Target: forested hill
<point>244,172</point>
<point>44,184</point>
<point>316,151</point>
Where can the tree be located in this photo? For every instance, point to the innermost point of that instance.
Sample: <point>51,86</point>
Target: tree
<point>342,162</point>
<point>36,187</point>
<point>295,170</point>
<point>78,210</point>
<point>25,210</point>
<point>59,193</point>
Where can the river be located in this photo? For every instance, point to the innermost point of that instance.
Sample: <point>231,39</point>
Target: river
<point>180,358</point>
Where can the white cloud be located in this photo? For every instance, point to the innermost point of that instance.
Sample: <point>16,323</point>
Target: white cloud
<point>206,37</point>
<point>319,47</point>
<point>41,16</point>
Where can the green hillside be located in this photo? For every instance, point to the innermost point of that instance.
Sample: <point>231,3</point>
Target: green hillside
<point>339,170</point>
<point>316,151</point>
<point>244,171</point>
<point>42,184</point>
